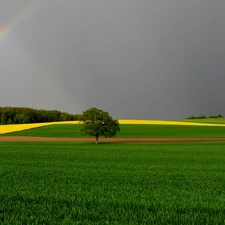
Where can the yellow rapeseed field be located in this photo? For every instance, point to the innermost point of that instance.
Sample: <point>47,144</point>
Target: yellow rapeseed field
<point>19,127</point>
<point>167,122</point>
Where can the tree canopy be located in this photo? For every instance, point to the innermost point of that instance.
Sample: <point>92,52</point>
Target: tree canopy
<point>20,115</point>
<point>96,122</point>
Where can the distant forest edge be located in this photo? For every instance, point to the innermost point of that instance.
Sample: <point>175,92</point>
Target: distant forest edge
<point>21,115</point>
<point>205,117</point>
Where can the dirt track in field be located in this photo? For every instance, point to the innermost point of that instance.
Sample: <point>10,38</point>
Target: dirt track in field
<point>102,140</point>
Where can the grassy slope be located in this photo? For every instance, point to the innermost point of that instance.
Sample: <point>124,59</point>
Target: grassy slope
<point>72,130</point>
<point>53,183</point>
<point>215,121</point>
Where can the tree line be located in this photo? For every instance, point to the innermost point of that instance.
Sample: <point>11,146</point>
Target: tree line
<point>205,117</point>
<point>21,115</point>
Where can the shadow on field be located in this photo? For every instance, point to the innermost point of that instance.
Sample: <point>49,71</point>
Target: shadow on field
<point>102,143</point>
<point>107,143</point>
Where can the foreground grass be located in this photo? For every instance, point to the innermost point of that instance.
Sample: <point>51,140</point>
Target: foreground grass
<point>129,131</point>
<point>72,183</point>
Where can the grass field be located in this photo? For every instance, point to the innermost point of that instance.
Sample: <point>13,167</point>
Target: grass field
<point>84,183</point>
<point>129,131</point>
<point>210,121</point>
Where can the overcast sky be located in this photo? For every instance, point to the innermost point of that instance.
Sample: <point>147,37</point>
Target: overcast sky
<point>140,59</point>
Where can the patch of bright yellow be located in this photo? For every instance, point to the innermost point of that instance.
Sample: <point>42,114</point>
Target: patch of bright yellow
<point>168,122</point>
<point>19,127</point>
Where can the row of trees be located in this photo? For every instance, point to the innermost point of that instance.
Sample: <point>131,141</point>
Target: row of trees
<point>205,117</point>
<point>20,115</point>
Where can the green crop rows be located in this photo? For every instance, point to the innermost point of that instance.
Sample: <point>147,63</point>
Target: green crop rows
<point>84,183</point>
<point>129,131</point>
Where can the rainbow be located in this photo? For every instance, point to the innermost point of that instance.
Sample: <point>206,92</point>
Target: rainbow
<point>16,20</point>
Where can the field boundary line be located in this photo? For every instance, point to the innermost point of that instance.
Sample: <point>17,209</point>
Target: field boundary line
<point>102,140</point>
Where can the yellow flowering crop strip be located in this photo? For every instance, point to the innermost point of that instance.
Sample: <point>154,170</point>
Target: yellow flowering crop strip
<point>168,122</point>
<point>19,127</point>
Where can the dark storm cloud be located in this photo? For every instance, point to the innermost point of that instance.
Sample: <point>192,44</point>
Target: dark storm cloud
<point>147,59</point>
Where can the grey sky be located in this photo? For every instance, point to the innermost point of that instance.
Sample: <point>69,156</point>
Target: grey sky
<point>141,59</point>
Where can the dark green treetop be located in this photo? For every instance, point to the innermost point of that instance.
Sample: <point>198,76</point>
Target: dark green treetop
<point>96,122</point>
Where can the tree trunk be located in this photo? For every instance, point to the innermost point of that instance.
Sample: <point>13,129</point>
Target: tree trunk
<point>96,140</point>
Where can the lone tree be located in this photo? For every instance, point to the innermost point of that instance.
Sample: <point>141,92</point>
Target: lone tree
<point>98,123</point>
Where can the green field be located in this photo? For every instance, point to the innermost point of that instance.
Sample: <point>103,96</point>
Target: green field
<point>216,121</point>
<point>84,183</point>
<point>128,131</point>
